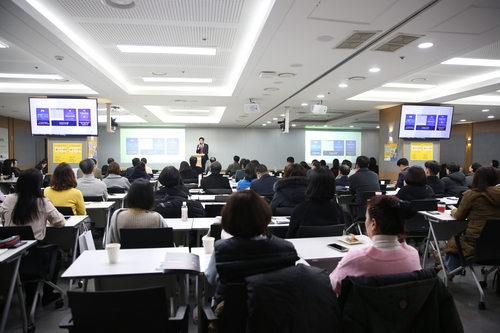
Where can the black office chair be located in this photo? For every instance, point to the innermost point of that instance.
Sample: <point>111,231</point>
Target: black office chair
<point>213,210</point>
<point>486,252</point>
<point>218,191</point>
<point>320,231</point>
<point>359,210</point>
<point>221,198</point>
<point>190,181</point>
<point>38,266</point>
<point>141,238</point>
<point>215,230</point>
<point>65,210</point>
<point>418,226</point>
<point>136,310</point>
<point>93,198</point>
<point>115,190</point>
<point>283,211</point>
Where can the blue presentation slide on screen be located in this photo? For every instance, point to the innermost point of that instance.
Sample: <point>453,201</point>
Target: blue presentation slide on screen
<point>164,146</point>
<point>328,145</point>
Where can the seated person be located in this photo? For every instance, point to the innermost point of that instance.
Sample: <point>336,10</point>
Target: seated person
<point>402,164</point>
<point>169,198</point>
<point>291,189</point>
<point>139,172</point>
<point>264,183</point>
<point>415,185</point>
<point>468,178</point>
<point>215,180</point>
<point>250,177</point>
<point>149,171</point>
<point>385,221</point>
<point>88,184</point>
<point>104,168</point>
<point>364,180</point>
<point>240,173</point>
<point>192,162</point>
<point>454,182</point>
<point>15,168</point>
<point>29,207</point>
<point>113,179</point>
<point>62,190</point>
<point>343,177</point>
<point>233,167</point>
<point>431,171</point>
<point>479,204</point>
<point>139,214</point>
<point>97,173</point>
<point>187,172</point>
<point>246,216</point>
<point>320,207</point>
<point>131,169</point>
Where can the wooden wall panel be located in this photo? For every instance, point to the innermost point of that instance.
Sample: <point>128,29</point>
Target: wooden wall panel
<point>390,115</point>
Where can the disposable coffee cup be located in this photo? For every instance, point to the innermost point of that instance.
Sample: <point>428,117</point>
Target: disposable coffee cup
<point>382,182</point>
<point>441,207</point>
<point>208,244</point>
<point>378,193</point>
<point>113,249</point>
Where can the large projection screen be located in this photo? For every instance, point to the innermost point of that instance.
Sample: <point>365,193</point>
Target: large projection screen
<point>165,146</point>
<point>328,145</point>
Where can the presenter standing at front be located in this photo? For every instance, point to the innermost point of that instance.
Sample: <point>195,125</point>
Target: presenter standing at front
<point>202,148</point>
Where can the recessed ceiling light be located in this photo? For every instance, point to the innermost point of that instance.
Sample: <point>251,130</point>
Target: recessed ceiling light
<point>286,74</point>
<point>485,110</point>
<point>356,78</point>
<point>463,120</point>
<point>296,65</point>
<point>409,85</point>
<point>491,117</point>
<point>325,125</point>
<point>343,85</point>
<point>31,76</point>
<point>304,104</point>
<point>177,79</point>
<point>472,62</point>
<point>378,126</point>
<point>268,122</point>
<point>188,110</point>
<point>282,115</point>
<point>351,126</point>
<point>294,125</point>
<point>120,4</point>
<point>264,124</point>
<point>167,49</point>
<point>3,46</point>
<point>425,45</point>
<point>320,96</point>
<point>374,70</point>
<point>275,118</point>
<point>271,89</point>
<point>159,73</point>
<point>419,79</point>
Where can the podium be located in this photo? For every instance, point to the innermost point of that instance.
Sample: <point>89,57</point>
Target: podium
<point>198,159</point>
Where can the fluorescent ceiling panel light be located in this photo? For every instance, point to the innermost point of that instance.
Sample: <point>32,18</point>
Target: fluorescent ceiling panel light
<point>188,110</point>
<point>374,70</point>
<point>343,85</point>
<point>472,62</point>
<point>409,85</point>
<point>425,45</point>
<point>3,46</point>
<point>177,79</point>
<point>31,76</point>
<point>167,49</point>
<point>491,117</point>
<point>320,96</point>
<point>485,110</point>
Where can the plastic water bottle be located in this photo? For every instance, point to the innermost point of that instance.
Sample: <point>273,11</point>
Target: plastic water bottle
<point>13,177</point>
<point>184,212</point>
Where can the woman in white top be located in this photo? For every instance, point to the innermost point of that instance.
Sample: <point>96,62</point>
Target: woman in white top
<point>113,179</point>
<point>140,214</point>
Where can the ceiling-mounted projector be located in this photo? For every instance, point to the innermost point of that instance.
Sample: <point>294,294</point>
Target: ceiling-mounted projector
<point>319,109</point>
<point>252,108</point>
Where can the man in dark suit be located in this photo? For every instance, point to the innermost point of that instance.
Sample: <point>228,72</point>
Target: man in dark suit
<point>215,180</point>
<point>135,161</point>
<point>431,170</point>
<point>202,148</point>
<point>264,183</point>
<point>403,167</point>
<point>363,180</point>
<point>343,179</point>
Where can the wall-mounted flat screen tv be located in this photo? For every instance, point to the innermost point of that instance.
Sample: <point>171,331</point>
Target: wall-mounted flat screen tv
<point>63,116</point>
<point>425,122</point>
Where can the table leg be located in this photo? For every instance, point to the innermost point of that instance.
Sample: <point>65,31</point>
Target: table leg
<point>5,314</point>
<point>427,244</point>
<point>104,237</point>
<point>445,279</point>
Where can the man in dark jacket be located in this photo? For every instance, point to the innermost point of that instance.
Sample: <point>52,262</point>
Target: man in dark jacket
<point>403,168</point>
<point>264,183</point>
<point>454,182</point>
<point>215,180</point>
<point>343,179</point>
<point>364,180</point>
<point>289,192</point>
<point>431,170</point>
<point>135,161</point>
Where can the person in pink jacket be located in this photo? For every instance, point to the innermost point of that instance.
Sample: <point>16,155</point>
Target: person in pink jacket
<point>385,221</point>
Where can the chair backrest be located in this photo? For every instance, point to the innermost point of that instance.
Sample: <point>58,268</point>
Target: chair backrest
<point>320,231</point>
<point>218,191</point>
<point>116,190</point>
<point>215,230</point>
<point>138,310</point>
<point>141,238</point>
<point>423,205</point>
<point>283,211</point>
<point>93,198</point>
<point>367,195</point>
<point>221,198</point>
<point>487,245</point>
<point>65,210</point>
<point>213,210</point>
<point>190,181</point>
<point>24,231</point>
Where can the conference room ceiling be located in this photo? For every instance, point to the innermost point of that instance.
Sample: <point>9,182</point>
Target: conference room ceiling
<point>277,53</point>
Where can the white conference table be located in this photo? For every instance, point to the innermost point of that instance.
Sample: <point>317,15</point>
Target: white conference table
<point>93,210</point>
<point>67,236</point>
<point>442,226</point>
<point>118,197</point>
<point>14,256</point>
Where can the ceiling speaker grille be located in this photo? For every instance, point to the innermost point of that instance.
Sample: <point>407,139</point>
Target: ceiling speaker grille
<point>397,42</point>
<point>355,40</point>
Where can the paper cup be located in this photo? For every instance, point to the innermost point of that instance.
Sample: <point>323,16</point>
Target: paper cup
<point>208,244</point>
<point>113,250</point>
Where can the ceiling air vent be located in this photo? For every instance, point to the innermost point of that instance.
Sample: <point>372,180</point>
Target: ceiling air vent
<point>397,42</point>
<point>355,40</point>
